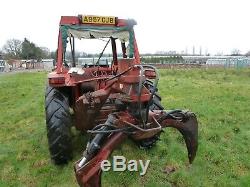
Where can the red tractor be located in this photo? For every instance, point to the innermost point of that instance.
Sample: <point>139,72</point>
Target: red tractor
<point>111,101</point>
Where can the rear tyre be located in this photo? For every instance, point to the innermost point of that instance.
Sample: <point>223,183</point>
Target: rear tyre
<point>58,123</point>
<point>155,105</point>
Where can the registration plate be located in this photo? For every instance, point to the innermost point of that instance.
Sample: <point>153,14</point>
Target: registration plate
<point>108,20</point>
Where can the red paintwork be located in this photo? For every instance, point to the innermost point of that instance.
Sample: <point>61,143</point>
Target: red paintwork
<point>90,174</point>
<point>59,54</point>
<point>74,20</point>
<point>69,20</point>
<point>96,78</point>
<point>90,91</point>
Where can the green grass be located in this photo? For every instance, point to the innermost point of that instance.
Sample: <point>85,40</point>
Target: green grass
<point>219,97</point>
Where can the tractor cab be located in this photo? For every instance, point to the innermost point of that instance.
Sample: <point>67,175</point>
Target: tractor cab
<point>118,46</point>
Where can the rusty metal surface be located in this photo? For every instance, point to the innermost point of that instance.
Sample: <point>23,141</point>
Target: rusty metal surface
<point>151,129</point>
<point>128,82</point>
<point>90,173</point>
<point>188,127</point>
<point>127,87</point>
<point>88,106</point>
<point>185,122</point>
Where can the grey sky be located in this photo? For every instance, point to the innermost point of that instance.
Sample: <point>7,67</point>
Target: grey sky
<point>219,26</point>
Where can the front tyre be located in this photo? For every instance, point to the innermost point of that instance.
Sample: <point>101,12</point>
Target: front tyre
<point>155,105</point>
<point>58,123</point>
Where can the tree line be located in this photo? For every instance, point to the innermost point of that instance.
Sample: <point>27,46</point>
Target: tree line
<point>17,49</point>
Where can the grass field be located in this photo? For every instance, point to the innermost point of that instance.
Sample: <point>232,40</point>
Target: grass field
<point>219,97</point>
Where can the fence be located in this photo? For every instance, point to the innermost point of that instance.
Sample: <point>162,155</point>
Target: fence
<point>230,62</point>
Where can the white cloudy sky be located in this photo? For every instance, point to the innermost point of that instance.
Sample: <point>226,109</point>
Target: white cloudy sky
<point>218,25</point>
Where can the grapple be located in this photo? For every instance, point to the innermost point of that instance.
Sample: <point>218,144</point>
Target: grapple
<point>135,120</point>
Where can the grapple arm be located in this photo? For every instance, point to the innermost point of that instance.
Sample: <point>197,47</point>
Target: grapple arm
<point>186,123</point>
<point>89,172</point>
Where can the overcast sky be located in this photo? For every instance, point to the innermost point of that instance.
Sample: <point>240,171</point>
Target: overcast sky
<point>163,25</point>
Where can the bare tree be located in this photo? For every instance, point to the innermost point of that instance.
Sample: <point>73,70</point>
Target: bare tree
<point>235,52</point>
<point>248,53</point>
<point>45,51</point>
<point>1,55</point>
<point>13,48</point>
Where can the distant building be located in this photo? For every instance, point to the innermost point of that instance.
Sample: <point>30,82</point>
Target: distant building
<point>15,64</point>
<point>48,64</point>
<point>2,65</point>
<point>32,64</point>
